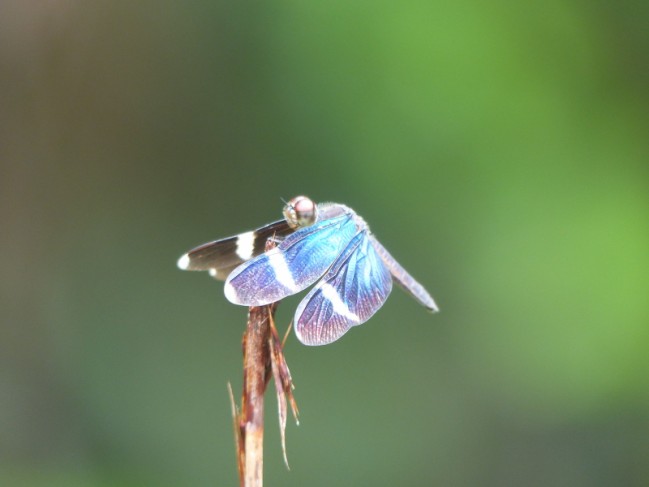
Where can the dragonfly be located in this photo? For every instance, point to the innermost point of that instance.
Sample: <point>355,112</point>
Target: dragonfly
<point>325,244</point>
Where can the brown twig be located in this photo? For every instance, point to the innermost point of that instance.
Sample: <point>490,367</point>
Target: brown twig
<point>256,361</point>
<point>262,358</point>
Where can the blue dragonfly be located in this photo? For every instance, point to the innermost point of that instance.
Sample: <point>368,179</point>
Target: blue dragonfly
<point>327,243</point>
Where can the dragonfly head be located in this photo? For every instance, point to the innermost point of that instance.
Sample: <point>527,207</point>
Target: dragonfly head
<point>300,212</point>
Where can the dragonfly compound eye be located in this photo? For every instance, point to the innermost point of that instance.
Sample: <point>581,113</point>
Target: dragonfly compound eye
<point>300,212</point>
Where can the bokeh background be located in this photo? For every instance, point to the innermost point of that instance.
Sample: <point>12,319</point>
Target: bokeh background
<point>499,150</point>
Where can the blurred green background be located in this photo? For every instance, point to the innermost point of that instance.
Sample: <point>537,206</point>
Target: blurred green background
<point>499,151</point>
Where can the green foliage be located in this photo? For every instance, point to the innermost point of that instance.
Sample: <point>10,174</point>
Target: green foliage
<point>498,150</point>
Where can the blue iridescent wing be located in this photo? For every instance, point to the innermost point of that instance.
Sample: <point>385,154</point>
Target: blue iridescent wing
<point>296,263</point>
<point>405,280</point>
<point>354,288</point>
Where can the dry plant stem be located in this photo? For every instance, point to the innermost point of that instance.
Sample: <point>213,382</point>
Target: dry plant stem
<point>256,360</point>
<point>262,358</point>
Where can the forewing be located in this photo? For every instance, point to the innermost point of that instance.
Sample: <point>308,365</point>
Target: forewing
<point>403,278</point>
<point>355,287</point>
<point>293,265</point>
<point>222,256</point>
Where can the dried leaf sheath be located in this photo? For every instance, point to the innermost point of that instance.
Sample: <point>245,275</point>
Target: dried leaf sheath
<point>283,385</point>
<point>238,432</point>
